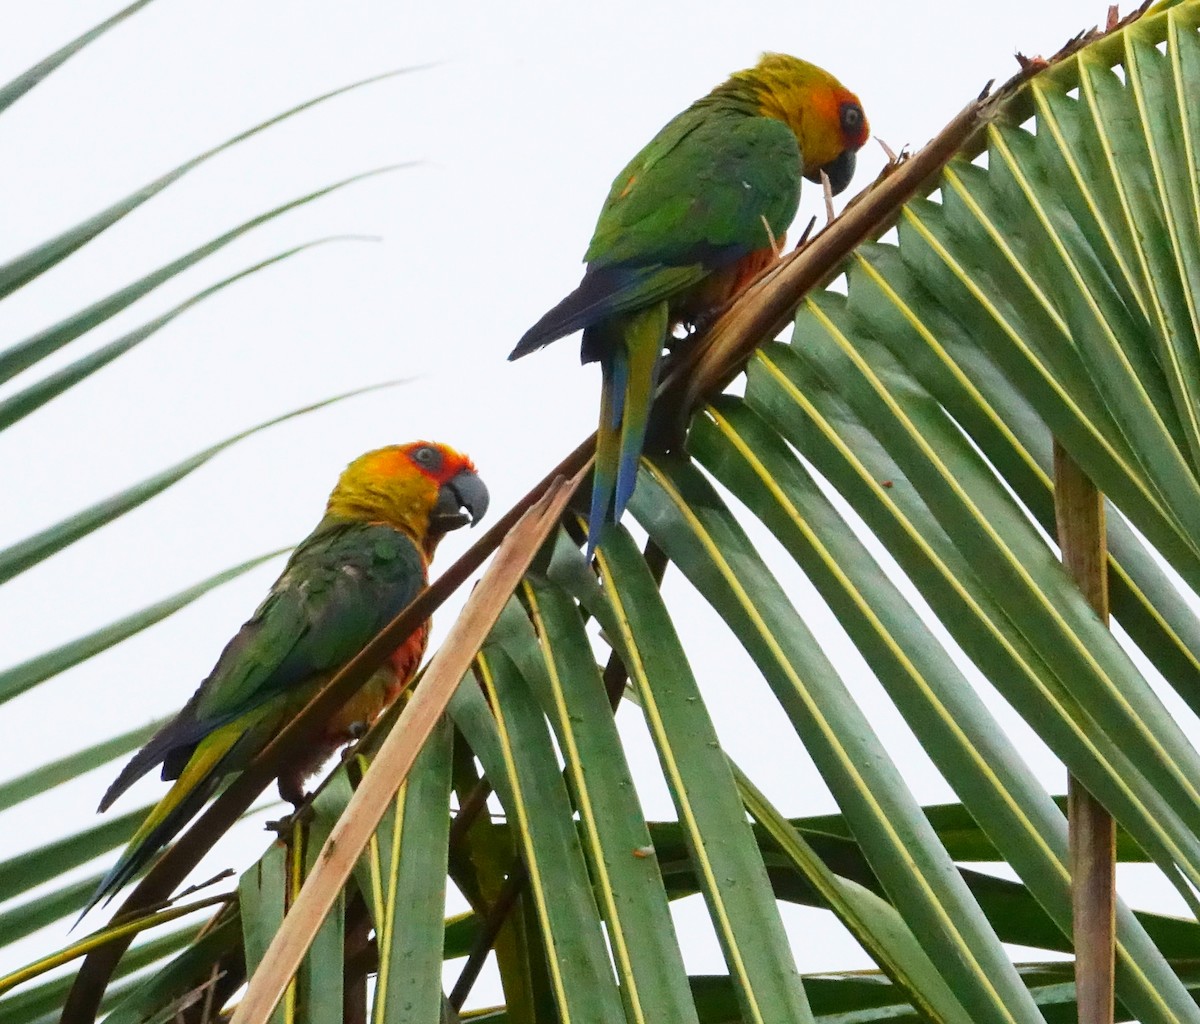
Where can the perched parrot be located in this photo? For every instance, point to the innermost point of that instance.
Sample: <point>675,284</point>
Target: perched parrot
<point>368,558</point>
<point>693,217</point>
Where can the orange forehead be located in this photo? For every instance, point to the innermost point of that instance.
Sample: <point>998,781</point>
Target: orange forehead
<point>825,102</point>
<point>401,460</point>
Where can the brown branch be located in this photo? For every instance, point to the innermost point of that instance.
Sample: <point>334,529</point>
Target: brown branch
<point>493,922</point>
<point>360,957</point>
<point>1082,536</point>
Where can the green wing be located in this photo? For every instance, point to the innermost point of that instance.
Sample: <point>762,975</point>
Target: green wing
<point>716,184</point>
<point>340,587</point>
<point>699,192</point>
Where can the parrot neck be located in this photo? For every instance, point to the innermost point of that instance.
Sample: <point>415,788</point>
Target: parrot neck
<point>410,517</point>
<point>739,93</point>
<point>749,92</point>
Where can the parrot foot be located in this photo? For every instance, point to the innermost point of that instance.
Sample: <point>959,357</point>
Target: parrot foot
<point>357,730</point>
<point>291,789</point>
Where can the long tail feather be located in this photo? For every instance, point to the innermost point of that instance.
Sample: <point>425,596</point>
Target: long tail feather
<point>644,334</point>
<point>608,440</point>
<point>183,801</point>
<point>630,348</point>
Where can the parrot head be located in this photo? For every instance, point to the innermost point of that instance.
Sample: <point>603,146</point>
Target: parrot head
<point>826,117</point>
<point>423,489</point>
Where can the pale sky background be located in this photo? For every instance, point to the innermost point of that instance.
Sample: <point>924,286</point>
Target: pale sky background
<point>529,111</point>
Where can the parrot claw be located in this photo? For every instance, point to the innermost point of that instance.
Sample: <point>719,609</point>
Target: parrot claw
<point>282,827</point>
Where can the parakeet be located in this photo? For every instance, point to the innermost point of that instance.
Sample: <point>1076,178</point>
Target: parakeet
<point>693,217</point>
<point>367,558</point>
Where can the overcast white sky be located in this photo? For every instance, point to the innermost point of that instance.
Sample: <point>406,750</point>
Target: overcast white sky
<point>530,110</point>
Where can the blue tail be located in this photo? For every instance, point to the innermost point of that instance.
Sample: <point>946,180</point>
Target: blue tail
<point>629,363</point>
<point>608,435</point>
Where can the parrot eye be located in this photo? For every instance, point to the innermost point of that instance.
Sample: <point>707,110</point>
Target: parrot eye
<point>851,118</point>
<point>428,458</point>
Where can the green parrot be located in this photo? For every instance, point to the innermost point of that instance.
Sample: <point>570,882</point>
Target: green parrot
<point>367,558</point>
<point>694,216</point>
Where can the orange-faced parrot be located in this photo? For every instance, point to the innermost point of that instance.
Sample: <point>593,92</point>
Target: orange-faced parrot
<point>368,558</point>
<point>696,214</point>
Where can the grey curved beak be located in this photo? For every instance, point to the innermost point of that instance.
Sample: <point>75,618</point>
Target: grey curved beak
<point>461,500</point>
<point>840,171</point>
